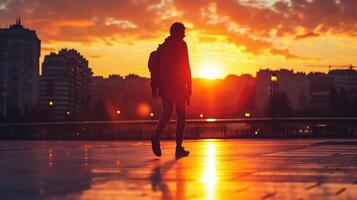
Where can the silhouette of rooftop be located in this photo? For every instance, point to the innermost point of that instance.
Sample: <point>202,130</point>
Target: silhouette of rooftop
<point>18,31</point>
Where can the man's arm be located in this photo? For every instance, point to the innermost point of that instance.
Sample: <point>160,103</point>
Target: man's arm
<point>187,68</point>
<point>153,72</point>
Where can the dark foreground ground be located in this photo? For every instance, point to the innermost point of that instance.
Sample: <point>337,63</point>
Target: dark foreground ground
<point>216,169</point>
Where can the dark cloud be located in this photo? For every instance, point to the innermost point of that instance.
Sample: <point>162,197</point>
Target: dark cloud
<point>84,21</point>
<point>250,25</point>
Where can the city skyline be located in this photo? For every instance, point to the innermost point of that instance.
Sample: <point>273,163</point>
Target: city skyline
<point>66,88</point>
<point>224,37</point>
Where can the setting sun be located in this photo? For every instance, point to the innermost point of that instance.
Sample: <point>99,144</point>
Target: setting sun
<point>210,70</point>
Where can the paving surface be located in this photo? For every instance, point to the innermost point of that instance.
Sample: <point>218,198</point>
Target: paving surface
<point>216,169</point>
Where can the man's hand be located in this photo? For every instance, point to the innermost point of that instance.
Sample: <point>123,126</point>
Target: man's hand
<point>189,90</point>
<point>188,94</point>
<point>188,102</point>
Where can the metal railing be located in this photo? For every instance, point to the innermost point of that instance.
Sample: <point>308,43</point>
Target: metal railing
<point>195,128</point>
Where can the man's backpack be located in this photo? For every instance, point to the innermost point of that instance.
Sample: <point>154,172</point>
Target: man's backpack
<point>153,65</point>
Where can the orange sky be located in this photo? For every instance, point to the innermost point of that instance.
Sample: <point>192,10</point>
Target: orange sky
<point>224,37</point>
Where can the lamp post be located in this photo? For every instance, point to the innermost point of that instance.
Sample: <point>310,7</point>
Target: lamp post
<point>3,110</point>
<point>273,94</point>
<point>68,115</point>
<point>50,108</point>
<point>274,89</point>
<point>117,114</point>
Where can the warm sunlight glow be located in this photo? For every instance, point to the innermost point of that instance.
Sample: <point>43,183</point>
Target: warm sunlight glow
<point>210,70</point>
<point>210,172</point>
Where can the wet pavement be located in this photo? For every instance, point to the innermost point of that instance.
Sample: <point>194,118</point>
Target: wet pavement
<point>216,169</point>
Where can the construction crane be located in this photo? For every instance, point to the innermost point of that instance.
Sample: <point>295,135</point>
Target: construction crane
<point>342,67</point>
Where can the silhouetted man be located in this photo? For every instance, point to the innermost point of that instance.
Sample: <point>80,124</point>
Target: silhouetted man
<point>173,85</point>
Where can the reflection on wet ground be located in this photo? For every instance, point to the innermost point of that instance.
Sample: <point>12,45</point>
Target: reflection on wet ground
<point>216,169</point>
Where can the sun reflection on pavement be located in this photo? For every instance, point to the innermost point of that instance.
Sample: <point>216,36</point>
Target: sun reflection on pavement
<point>209,175</point>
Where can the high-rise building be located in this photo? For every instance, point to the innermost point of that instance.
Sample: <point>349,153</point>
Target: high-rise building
<point>19,68</point>
<point>65,85</point>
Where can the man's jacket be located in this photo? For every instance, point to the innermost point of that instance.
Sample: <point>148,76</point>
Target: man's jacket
<point>174,73</point>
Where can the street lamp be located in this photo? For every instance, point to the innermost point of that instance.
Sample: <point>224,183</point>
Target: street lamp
<point>201,115</point>
<point>50,109</point>
<point>274,90</point>
<point>118,112</point>
<point>152,115</point>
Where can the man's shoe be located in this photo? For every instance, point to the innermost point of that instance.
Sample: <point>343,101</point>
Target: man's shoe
<point>155,144</point>
<point>181,152</point>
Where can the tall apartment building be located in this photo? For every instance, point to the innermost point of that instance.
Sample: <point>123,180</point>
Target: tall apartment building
<point>65,85</point>
<point>19,68</point>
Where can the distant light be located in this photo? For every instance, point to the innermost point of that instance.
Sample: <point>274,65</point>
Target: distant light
<point>68,113</point>
<point>50,103</point>
<point>247,114</point>
<point>256,132</point>
<point>201,115</point>
<point>152,115</point>
<point>274,78</point>
<point>211,120</point>
<point>118,112</point>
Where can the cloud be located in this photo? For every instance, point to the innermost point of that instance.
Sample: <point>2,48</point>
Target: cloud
<point>306,35</point>
<point>286,53</point>
<point>2,6</point>
<point>124,24</point>
<point>253,25</point>
<point>55,26</point>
